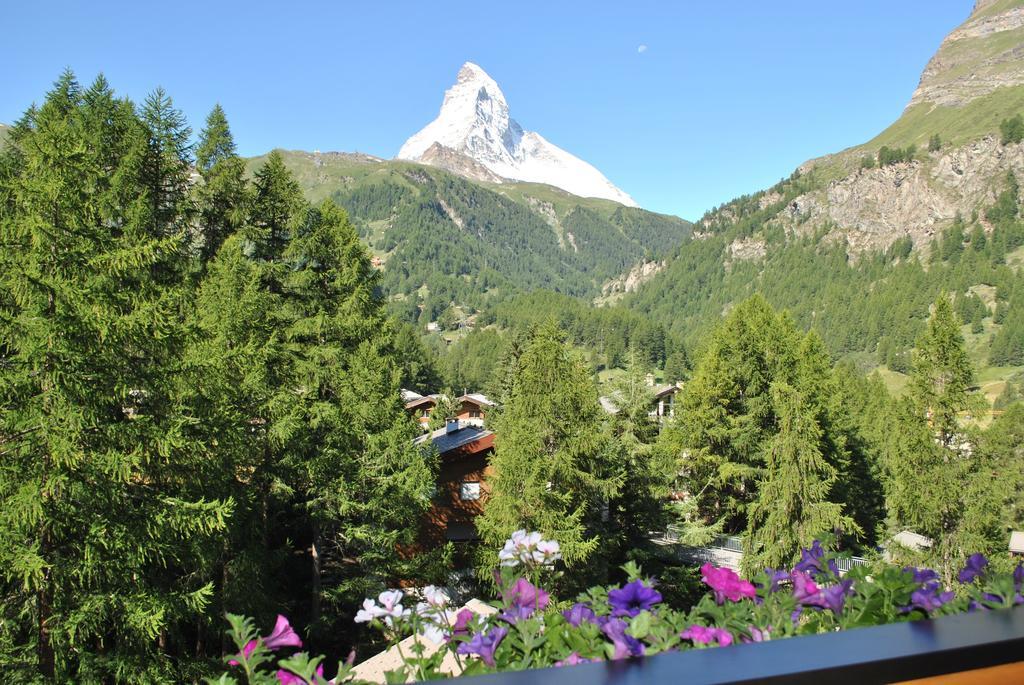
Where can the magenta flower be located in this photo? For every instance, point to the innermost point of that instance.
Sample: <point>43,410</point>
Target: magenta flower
<point>461,626</point>
<point>726,584</point>
<point>522,599</point>
<point>805,590</point>
<point>625,645</point>
<point>703,635</point>
<point>975,567</point>
<point>289,678</point>
<point>573,659</point>
<point>484,645</point>
<point>633,598</point>
<point>282,636</point>
<point>247,651</point>
<point>812,561</point>
<point>578,614</point>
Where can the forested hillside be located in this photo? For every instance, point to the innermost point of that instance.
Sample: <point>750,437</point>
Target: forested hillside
<point>444,239</point>
<point>857,245</point>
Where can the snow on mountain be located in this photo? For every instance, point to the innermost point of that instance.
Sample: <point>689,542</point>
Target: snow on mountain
<point>475,122</point>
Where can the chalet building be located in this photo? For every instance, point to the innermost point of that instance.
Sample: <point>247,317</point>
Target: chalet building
<point>663,403</point>
<point>472,408</point>
<point>464,452</point>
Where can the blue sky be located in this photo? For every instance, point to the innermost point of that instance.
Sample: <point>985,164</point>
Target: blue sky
<point>726,98</point>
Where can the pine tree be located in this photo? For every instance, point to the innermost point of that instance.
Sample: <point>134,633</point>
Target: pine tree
<point>104,534</point>
<point>223,196</point>
<point>640,505</point>
<point>353,467</point>
<point>166,168</point>
<point>278,200</point>
<point>943,373</point>
<point>935,475</point>
<point>793,507</point>
<point>551,460</point>
<point>725,415</point>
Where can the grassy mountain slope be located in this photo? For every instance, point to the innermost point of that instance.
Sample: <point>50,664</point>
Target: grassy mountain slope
<point>860,251</point>
<point>442,238</point>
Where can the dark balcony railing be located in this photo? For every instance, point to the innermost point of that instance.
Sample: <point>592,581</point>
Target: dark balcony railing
<point>883,654</point>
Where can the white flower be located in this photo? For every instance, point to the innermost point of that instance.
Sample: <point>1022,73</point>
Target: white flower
<point>435,596</point>
<point>549,550</point>
<point>508,556</point>
<point>369,612</point>
<point>389,599</point>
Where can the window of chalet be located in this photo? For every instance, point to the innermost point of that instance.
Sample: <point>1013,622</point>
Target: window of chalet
<point>470,490</point>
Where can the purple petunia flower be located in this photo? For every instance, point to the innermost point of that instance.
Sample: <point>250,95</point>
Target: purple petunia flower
<point>1018,577</point>
<point>805,590</point>
<point>461,626</point>
<point>522,600</point>
<point>625,645</point>
<point>578,614</point>
<point>726,584</point>
<point>633,598</point>
<point>975,567</point>
<point>834,597</point>
<point>281,636</point>
<point>484,645</point>
<point>702,635</point>
<point>757,634</point>
<point>812,561</point>
<point>922,575</point>
<point>928,598</point>
<point>775,578</point>
<point>573,659</point>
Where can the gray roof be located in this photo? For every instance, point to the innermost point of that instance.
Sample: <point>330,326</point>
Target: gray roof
<point>445,441</point>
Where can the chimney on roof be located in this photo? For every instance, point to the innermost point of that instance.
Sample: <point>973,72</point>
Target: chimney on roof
<point>450,426</point>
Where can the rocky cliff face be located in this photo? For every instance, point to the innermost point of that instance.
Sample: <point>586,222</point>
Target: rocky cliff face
<point>985,53</point>
<point>872,208</point>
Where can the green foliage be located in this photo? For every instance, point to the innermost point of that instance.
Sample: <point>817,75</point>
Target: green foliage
<point>553,467</point>
<point>1012,130</point>
<point>938,483</point>
<point>792,508</point>
<point>107,530</point>
<point>731,441</point>
<point>888,156</point>
<point>934,143</point>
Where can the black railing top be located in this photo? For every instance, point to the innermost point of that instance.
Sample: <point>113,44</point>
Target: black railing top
<point>880,654</point>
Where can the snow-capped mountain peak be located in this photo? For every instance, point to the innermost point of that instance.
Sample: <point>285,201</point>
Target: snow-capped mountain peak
<point>474,121</point>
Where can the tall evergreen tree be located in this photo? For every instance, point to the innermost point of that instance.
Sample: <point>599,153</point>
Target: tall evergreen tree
<point>223,196</point>
<point>551,459</point>
<point>793,506</point>
<point>103,535</point>
<point>937,480</point>
<point>641,503</point>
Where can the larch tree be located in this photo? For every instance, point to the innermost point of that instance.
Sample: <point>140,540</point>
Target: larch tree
<point>793,506</point>
<point>223,196</point>
<point>551,461</point>
<point>103,537</point>
<point>935,476</point>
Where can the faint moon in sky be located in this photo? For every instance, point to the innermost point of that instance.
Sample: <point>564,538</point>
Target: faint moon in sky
<point>642,48</point>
